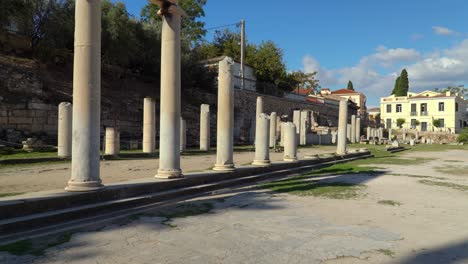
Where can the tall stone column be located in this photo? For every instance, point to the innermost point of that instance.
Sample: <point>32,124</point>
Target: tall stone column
<point>290,142</point>
<point>353,129</point>
<point>273,130</point>
<point>262,149</point>
<point>348,132</point>
<point>390,134</point>
<point>86,98</point>
<point>282,134</point>
<point>225,122</point>
<point>183,135</point>
<point>303,127</point>
<point>358,129</point>
<point>380,133</point>
<point>342,124</point>
<point>368,133</point>
<point>64,140</point>
<point>297,120</point>
<point>259,110</point>
<point>205,127</point>
<point>169,136</point>
<point>149,125</point>
<point>112,138</point>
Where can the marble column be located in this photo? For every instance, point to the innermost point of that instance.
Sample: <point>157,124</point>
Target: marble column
<point>348,132</point>
<point>64,140</point>
<point>380,133</point>
<point>358,129</point>
<point>112,138</point>
<point>282,134</point>
<point>169,136</point>
<point>389,134</point>
<point>225,121</point>
<point>205,127</point>
<point>368,133</point>
<point>273,130</point>
<point>353,129</point>
<point>303,127</point>
<point>290,142</point>
<point>183,135</point>
<point>86,98</point>
<point>149,125</point>
<point>297,120</point>
<point>259,110</point>
<point>342,126</point>
<point>262,149</point>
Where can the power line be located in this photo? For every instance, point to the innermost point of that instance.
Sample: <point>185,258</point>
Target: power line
<point>228,25</point>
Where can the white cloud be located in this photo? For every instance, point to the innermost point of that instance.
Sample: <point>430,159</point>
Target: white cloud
<point>416,36</point>
<point>443,31</point>
<point>426,71</point>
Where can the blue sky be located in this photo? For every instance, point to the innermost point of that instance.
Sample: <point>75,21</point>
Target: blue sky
<point>366,41</point>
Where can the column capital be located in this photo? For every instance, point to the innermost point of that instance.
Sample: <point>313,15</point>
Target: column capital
<point>168,7</point>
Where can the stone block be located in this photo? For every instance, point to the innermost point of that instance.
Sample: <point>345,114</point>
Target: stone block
<point>52,120</point>
<point>50,128</point>
<point>40,113</point>
<point>22,113</point>
<point>3,120</point>
<point>20,120</point>
<point>39,120</point>
<point>41,106</point>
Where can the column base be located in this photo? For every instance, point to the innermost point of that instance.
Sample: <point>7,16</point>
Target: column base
<point>339,153</point>
<point>169,174</point>
<point>262,163</point>
<point>290,159</point>
<point>224,167</point>
<point>84,186</point>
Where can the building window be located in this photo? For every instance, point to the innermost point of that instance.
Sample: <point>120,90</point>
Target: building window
<point>461,123</point>
<point>398,108</point>
<point>413,110</point>
<point>423,126</point>
<point>389,123</point>
<point>424,109</point>
<point>456,107</point>
<point>389,108</point>
<point>441,107</point>
<point>413,123</point>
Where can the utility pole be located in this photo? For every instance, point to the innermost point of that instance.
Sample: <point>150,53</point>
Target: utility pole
<point>242,64</point>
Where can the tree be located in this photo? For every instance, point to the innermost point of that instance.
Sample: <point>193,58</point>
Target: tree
<point>192,28</point>
<point>401,84</point>
<point>397,85</point>
<point>305,81</point>
<point>350,86</point>
<point>437,123</point>
<point>400,122</point>
<point>460,89</point>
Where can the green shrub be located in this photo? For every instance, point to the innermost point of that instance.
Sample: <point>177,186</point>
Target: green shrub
<point>463,136</point>
<point>400,122</point>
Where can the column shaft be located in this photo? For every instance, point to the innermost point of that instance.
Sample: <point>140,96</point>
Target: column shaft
<point>112,139</point>
<point>169,136</point>
<point>290,142</point>
<point>273,130</point>
<point>262,149</point>
<point>342,126</point>
<point>86,97</point>
<point>225,123</point>
<point>358,129</point>
<point>353,129</point>
<point>149,125</point>
<point>205,127</point>
<point>183,135</point>
<point>64,140</point>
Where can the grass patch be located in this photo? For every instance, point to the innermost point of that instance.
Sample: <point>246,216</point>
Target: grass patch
<point>342,168</point>
<point>453,160</point>
<point>22,154</point>
<point>389,202</point>
<point>438,147</point>
<point>386,252</point>
<point>417,176</point>
<point>27,247</point>
<point>381,156</point>
<point>445,184</point>
<point>303,187</point>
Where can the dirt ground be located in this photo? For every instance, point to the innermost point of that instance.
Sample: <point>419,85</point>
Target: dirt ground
<point>408,214</point>
<point>33,178</point>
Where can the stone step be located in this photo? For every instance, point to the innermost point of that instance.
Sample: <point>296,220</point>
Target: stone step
<point>24,225</point>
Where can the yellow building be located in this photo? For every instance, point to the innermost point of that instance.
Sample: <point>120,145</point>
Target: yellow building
<point>419,110</point>
<point>357,97</point>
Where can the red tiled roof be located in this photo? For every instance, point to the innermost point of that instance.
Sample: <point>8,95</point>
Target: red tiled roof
<point>302,91</point>
<point>344,91</point>
<point>315,100</point>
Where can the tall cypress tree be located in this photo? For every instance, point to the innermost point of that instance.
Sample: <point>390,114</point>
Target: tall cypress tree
<point>397,86</point>
<point>404,83</point>
<point>350,86</point>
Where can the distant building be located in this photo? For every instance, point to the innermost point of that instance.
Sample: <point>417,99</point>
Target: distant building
<point>373,114</point>
<point>250,81</point>
<point>421,109</point>
<point>357,97</point>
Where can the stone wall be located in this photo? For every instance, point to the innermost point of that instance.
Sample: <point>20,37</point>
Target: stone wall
<point>30,93</point>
